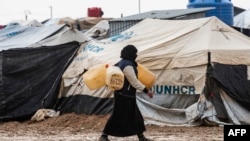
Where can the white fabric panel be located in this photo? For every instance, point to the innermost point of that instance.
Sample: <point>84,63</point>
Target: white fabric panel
<point>25,37</point>
<point>242,20</point>
<point>166,116</point>
<point>238,114</point>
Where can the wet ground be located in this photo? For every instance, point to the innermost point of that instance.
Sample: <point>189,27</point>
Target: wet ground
<point>75,127</point>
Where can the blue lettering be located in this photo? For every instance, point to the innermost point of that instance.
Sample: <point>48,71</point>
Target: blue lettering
<point>94,48</point>
<point>83,49</point>
<point>176,90</point>
<point>80,58</point>
<point>168,89</point>
<point>191,90</point>
<point>122,37</point>
<point>14,33</point>
<point>159,89</point>
<point>184,90</point>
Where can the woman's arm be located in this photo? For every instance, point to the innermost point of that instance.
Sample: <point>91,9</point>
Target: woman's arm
<point>130,75</point>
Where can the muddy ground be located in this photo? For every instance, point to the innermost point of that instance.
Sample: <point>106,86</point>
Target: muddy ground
<point>76,127</point>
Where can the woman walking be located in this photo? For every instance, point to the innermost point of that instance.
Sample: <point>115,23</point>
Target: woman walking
<point>126,118</point>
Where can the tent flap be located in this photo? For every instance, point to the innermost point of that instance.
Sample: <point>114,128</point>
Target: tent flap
<point>31,77</point>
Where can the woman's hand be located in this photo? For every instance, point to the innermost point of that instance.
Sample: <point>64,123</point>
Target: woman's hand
<point>150,94</point>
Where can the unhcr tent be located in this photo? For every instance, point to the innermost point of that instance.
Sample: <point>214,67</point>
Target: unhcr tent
<point>32,61</point>
<point>202,69</point>
<point>190,59</point>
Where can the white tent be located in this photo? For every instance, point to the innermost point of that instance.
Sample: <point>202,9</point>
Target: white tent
<point>242,20</point>
<point>25,23</point>
<point>98,31</point>
<point>16,36</point>
<point>180,53</point>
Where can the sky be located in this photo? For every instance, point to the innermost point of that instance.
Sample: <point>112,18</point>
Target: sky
<point>41,10</point>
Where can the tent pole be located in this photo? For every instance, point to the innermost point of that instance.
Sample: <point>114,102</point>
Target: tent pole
<point>209,57</point>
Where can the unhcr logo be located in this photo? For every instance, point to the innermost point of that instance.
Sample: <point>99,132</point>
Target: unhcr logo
<point>117,38</point>
<point>122,37</point>
<point>11,34</point>
<point>168,89</point>
<point>94,48</point>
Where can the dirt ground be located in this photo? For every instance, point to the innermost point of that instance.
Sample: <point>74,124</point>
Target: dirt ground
<point>76,127</point>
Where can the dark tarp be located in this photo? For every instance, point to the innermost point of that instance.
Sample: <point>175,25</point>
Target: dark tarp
<point>233,79</point>
<point>245,31</point>
<point>85,104</point>
<point>30,78</point>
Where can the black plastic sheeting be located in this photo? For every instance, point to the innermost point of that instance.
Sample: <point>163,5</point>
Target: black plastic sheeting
<point>85,104</point>
<point>30,78</point>
<point>233,79</point>
<point>244,31</point>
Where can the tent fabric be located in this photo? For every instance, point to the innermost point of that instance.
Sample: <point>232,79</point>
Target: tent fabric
<point>234,80</point>
<point>10,31</point>
<point>85,104</point>
<point>82,24</point>
<point>87,23</point>
<point>30,78</point>
<point>24,36</point>
<point>102,27</point>
<point>191,59</point>
<point>178,52</point>
<point>242,20</point>
<point>25,23</point>
<point>97,101</point>
<point>236,114</point>
<point>64,36</point>
<point>32,63</point>
<point>227,91</point>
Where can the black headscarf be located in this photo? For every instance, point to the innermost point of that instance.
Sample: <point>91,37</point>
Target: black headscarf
<point>129,52</point>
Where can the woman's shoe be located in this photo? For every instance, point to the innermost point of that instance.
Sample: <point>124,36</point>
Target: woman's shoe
<point>144,139</point>
<point>103,139</point>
